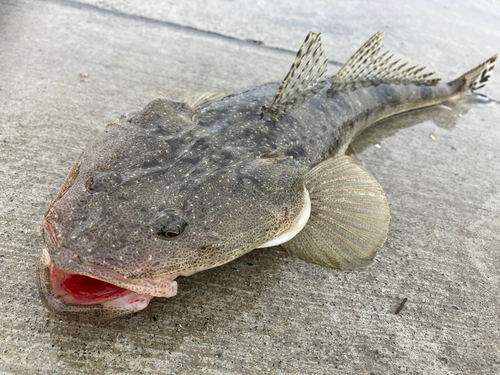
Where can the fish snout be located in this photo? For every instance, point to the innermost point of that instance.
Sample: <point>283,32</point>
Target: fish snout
<point>83,291</point>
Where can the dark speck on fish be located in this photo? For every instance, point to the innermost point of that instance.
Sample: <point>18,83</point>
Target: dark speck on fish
<point>182,187</point>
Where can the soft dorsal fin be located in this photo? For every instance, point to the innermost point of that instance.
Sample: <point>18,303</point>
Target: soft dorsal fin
<point>367,64</point>
<point>306,73</point>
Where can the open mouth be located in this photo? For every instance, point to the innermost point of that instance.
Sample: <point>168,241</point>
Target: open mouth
<point>77,289</point>
<point>91,292</point>
<point>84,297</point>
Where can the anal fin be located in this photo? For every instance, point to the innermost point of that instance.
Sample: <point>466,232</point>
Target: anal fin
<point>349,216</point>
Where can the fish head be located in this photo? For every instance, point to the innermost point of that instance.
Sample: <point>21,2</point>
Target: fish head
<point>138,210</point>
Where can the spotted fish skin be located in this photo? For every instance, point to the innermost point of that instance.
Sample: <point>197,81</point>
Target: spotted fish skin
<point>184,187</point>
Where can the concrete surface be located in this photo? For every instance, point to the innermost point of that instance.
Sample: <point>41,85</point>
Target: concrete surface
<point>267,311</point>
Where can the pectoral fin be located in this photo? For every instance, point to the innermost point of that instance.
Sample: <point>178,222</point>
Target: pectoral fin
<point>349,216</point>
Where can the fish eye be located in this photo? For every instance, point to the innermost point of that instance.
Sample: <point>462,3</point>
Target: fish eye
<point>172,230</point>
<point>169,225</point>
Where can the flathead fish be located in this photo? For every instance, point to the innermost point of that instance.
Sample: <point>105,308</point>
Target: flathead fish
<point>182,187</point>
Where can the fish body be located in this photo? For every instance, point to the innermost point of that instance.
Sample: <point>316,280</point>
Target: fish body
<point>184,187</point>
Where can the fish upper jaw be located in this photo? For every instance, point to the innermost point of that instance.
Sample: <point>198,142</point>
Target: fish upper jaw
<point>88,291</point>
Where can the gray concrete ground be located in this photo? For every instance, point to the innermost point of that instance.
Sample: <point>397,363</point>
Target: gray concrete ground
<point>267,311</point>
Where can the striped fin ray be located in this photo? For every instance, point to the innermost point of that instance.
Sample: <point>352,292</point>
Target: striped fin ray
<point>477,77</point>
<point>195,101</point>
<point>367,64</point>
<point>349,216</point>
<point>306,73</point>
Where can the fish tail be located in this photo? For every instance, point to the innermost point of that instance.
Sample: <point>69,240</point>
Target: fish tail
<point>475,78</point>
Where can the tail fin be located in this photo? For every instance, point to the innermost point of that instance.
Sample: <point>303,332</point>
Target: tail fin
<point>477,77</point>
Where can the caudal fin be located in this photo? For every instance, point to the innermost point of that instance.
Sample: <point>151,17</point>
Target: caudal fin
<point>477,77</point>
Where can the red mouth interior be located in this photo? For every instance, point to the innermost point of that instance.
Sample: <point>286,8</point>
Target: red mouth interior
<point>78,289</point>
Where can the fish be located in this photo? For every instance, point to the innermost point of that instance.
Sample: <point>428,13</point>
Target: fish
<point>186,186</point>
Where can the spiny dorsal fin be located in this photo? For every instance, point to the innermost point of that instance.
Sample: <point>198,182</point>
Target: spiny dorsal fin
<point>368,65</point>
<point>198,100</point>
<point>307,71</point>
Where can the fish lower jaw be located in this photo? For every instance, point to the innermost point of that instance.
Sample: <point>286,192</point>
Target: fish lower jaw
<point>130,301</point>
